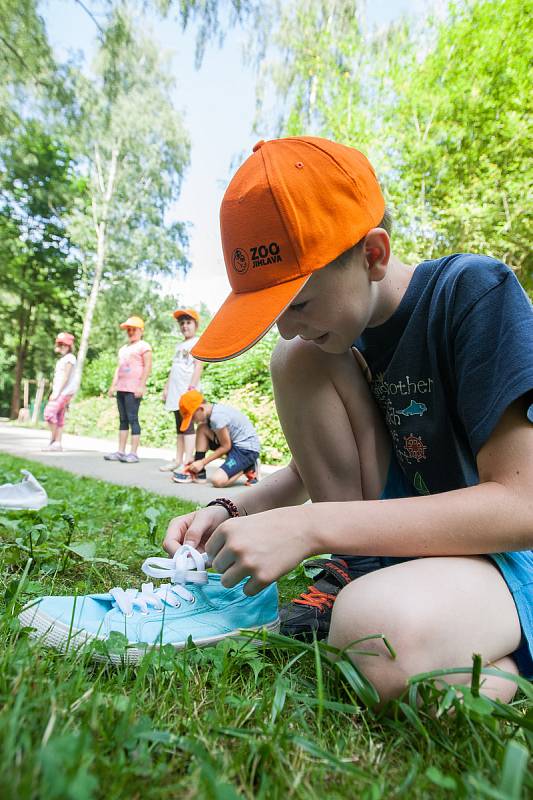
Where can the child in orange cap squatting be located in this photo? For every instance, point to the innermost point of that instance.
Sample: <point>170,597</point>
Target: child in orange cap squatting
<point>404,392</point>
<point>129,384</point>
<point>228,433</point>
<point>63,389</point>
<point>185,374</point>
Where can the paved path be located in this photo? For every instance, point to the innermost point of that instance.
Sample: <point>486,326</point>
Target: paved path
<point>83,455</point>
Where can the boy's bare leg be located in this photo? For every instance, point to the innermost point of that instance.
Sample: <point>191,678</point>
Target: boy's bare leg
<point>436,612</point>
<point>333,426</point>
<point>219,479</point>
<point>180,448</point>
<point>189,440</point>
<point>204,437</point>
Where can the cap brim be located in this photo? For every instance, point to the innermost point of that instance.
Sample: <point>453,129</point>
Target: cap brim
<point>185,422</point>
<point>243,320</point>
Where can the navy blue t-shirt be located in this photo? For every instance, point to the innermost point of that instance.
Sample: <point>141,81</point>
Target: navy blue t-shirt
<point>453,356</point>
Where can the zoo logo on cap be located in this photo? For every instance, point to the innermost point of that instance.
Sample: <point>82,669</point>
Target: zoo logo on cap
<point>240,260</point>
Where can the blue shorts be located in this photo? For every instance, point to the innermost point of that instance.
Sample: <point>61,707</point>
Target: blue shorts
<point>237,460</point>
<point>516,569</point>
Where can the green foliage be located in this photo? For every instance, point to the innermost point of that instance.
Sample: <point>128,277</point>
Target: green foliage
<point>39,267</point>
<point>224,722</point>
<point>250,369</point>
<point>460,134</point>
<point>442,109</point>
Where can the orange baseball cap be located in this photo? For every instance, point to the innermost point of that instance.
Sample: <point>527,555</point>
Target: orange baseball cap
<point>186,312</point>
<point>291,208</point>
<point>133,322</point>
<point>189,403</point>
<point>65,338</point>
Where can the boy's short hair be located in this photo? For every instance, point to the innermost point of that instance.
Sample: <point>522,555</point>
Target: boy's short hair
<point>345,258</point>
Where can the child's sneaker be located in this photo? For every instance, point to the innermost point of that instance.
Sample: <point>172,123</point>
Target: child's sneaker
<point>200,477</point>
<point>172,466</point>
<point>251,476</point>
<point>310,612</point>
<point>193,604</point>
<point>182,476</point>
<point>116,456</point>
<point>130,458</point>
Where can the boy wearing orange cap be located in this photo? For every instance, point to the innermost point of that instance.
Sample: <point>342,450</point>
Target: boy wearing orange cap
<point>185,374</point>
<point>405,395</point>
<point>129,385</point>
<point>224,430</point>
<point>63,389</point>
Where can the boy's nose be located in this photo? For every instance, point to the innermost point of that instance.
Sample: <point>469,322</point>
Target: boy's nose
<point>286,328</point>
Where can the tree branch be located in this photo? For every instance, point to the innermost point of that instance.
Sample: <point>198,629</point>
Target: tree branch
<point>91,15</point>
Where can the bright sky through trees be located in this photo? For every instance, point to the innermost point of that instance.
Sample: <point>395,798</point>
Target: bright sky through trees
<point>219,104</point>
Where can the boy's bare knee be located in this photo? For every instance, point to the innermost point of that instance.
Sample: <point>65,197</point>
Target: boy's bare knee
<point>219,482</point>
<point>361,610</point>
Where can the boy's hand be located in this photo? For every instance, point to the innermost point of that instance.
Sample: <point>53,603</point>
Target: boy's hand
<point>263,547</point>
<point>196,466</point>
<point>194,528</point>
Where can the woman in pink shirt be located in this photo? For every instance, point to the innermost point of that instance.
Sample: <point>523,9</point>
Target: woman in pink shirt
<point>129,384</point>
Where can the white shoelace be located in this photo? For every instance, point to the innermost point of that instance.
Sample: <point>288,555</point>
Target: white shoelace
<point>186,566</point>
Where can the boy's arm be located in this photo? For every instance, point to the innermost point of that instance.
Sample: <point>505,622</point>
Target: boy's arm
<point>282,488</point>
<point>224,440</point>
<point>494,516</point>
<point>197,374</point>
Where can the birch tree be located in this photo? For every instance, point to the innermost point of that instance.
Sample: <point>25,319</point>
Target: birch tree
<point>133,149</point>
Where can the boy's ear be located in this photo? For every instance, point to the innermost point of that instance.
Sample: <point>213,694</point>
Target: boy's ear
<point>376,249</point>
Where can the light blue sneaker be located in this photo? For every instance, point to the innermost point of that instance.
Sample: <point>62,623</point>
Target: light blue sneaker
<point>194,604</point>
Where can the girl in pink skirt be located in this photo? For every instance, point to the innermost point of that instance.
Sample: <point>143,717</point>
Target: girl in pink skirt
<point>63,389</point>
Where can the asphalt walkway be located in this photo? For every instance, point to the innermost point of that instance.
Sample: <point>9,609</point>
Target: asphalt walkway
<point>83,455</point>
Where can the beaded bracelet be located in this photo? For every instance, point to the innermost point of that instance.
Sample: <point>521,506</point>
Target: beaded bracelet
<point>230,507</point>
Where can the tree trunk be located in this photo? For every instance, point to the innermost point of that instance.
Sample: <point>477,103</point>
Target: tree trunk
<point>100,222</point>
<point>22,353</point>
<point>91,305</point>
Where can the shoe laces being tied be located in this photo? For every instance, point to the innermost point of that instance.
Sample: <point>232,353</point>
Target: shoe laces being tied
<point>186,566</point>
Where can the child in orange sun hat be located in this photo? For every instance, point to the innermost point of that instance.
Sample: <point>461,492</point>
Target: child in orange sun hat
<point>185,374</point>
<point>129,385</point>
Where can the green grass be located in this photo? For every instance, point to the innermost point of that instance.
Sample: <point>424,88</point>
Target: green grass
<point>220,723</point>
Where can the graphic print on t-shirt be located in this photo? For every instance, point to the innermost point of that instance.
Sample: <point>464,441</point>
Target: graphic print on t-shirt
<point>457,351</point>
<point>392,396</point>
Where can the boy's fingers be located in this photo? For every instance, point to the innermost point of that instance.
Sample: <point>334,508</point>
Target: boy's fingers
<point>176,531</point>
<point>193,537</point>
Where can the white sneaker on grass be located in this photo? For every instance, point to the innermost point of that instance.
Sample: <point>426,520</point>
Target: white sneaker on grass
<point>26,495</point>
<point>194,604</point>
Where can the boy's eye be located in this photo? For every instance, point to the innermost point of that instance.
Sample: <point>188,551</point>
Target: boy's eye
<point>298,306</point>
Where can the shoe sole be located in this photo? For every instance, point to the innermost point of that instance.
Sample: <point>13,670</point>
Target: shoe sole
<point>64,638</point>
<point>177,480</point>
